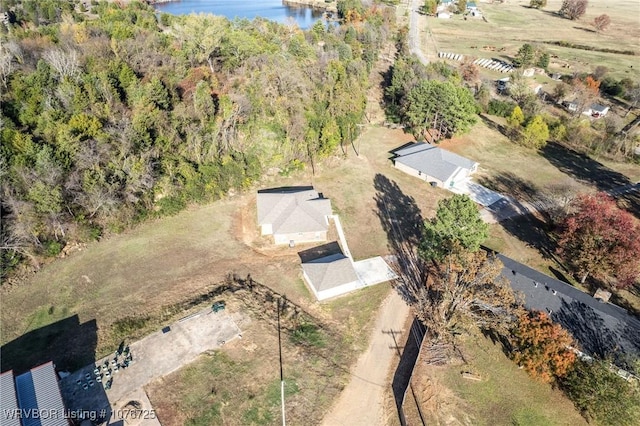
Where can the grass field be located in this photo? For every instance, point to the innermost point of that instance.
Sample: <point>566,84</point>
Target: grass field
<point>505,395</point>
<point>240,383</point>
<point>513,23</point>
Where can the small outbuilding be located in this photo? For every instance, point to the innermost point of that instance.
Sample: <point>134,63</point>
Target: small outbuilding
<point>330,276</point>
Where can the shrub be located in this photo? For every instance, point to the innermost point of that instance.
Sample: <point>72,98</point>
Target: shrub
<point>52,248</point>
<point>500,108</point>
<point>307,334</point>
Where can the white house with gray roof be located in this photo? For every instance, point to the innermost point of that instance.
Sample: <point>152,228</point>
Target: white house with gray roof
<point>433,164</point>
<point>330,276</point>
<point>293,215</point>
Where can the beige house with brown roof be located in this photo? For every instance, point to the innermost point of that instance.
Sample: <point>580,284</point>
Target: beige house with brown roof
<point>293,215</point>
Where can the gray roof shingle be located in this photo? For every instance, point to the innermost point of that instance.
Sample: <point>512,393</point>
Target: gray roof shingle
<point>330,271</point>
<point>291,210</point>
<point>432,160</point>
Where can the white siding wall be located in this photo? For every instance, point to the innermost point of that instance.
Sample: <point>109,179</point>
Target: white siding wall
<point>413,172</point>
<point>338,291</point>
<point>300,237</point>
<point>267,229</point>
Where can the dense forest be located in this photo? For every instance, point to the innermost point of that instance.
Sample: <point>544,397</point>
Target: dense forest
<point>111,114</point>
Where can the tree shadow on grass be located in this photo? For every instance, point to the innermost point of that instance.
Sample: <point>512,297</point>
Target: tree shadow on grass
<point>402,221</point>
<point>583,168</point>
<point>600,335</point>
<point>528,227</point>
<point>495,126</point>
<point>590,171</point>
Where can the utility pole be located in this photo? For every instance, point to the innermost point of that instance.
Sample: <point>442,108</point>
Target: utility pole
<point>281,374</point>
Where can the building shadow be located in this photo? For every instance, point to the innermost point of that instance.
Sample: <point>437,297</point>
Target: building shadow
<point>319,252</point>
<point>68,343</point>
<point>283,189</point>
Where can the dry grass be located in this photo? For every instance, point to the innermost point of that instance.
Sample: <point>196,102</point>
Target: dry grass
<point>505,395</point>
<point>511,24</point>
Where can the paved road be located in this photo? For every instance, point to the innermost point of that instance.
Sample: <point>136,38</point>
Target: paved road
<point>414,31</point>
<point>362,401</point>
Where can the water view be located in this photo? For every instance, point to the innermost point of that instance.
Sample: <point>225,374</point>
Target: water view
<point>273,10</point>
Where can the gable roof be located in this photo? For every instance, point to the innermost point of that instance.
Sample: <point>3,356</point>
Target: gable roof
<point>8,399</point>
<point>38,390</point>
<point>600,328</point>
<point>330,271</point>
<point>599,108</point>
<point>293,210</point>
<point>432,160</point>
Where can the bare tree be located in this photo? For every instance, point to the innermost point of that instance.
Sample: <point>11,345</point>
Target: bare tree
<point>65,63</point>
<point>601,22</point>
<point>464,287</point>
<point>573,9</point>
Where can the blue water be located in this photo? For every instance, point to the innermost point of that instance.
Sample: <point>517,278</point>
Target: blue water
<point>273,10</point>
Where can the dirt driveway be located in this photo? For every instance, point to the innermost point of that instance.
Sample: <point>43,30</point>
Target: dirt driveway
<point>362,401</point>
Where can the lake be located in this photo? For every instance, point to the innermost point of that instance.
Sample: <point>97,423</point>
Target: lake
<point>273,10</point>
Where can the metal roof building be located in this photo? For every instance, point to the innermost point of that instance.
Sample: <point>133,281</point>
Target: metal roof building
<point>39,397</point>
<point>8,400</point>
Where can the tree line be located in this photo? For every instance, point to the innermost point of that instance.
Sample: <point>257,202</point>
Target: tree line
<point>116,114</point>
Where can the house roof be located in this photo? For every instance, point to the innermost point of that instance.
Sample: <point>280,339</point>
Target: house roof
<point>330,271</point>
<point>471,4</point>
<point>38,390</point>
<point>600,328</point>
<point>293,210</point>
<point>432,160</point>
<point>8,399</point>
<point>599,108</point>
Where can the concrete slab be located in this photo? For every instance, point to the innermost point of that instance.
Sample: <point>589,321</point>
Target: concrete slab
<point>155,356</point>
<point>373,271</point>
<point>478,193</point>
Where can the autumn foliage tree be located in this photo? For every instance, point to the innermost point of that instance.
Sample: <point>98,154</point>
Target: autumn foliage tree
<point>573,9</point>
<point>542,347</point>
<point>602,240</point>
